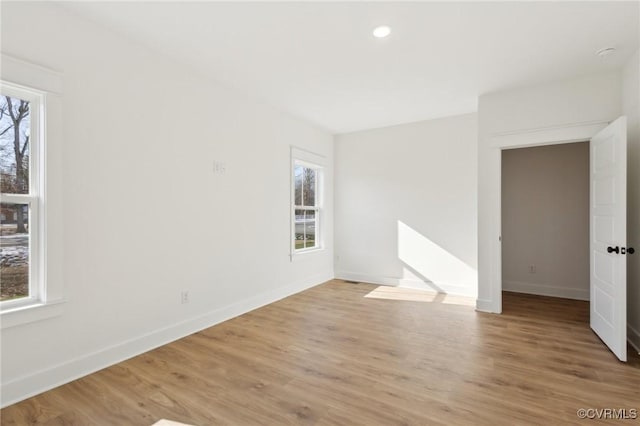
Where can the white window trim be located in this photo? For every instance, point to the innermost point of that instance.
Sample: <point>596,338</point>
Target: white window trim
<point>317,162</point>
<point>40,86</point>
<point>35,198</point>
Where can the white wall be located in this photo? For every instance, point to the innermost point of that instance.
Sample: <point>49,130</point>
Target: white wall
<point>545,220</point>
<point>565,111</point>
<point>631,108</point>
<point>144,215</point>
<point>406,205</point>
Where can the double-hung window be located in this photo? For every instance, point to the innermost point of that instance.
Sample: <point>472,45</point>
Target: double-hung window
<point>306,208</point>
<point>21,195</point>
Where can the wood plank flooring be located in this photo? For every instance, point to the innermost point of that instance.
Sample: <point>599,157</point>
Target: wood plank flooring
<point>347,354</point>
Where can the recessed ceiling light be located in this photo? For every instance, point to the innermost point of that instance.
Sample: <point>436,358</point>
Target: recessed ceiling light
<point>382,31</point>
<point>606,51</point>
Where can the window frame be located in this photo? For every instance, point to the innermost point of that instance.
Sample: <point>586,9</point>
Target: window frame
<point>35,199</point>
<point>50,302</point>
<point>301,157</point>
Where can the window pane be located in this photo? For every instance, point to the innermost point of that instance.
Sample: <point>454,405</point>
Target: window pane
<point>305,229</point>
<point>298,172</point>
<point>310,229</point>
<point>299,231</point>
<point>309,187</point>
<point>15,127</point>
<point>14,251</point>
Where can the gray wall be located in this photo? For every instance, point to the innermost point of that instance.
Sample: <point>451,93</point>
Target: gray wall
<point>545,220</point>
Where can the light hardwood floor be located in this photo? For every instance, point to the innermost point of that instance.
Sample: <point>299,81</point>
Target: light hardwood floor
<point>330,355</point>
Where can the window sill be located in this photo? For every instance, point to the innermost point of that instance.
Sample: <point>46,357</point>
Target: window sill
<point>300,255</point>
<point>30,313</point>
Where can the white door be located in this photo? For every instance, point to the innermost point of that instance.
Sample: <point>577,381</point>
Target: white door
<point>608,250</point>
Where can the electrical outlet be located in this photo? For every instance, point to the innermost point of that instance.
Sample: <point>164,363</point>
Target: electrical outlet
<point>532,269</point>
<point>219,168</point>
<point>184,296</point>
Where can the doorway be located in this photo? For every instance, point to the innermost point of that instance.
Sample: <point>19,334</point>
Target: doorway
<point>545,221</point>
<point>607,232</point>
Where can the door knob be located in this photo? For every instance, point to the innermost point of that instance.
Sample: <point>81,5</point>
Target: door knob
<point>612,250</point>
<point>631,250</point>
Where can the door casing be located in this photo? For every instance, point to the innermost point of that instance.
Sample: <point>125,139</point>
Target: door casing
<point>520,139</point>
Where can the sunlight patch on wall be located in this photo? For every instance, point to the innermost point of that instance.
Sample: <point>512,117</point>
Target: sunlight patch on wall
<point>428,262</point>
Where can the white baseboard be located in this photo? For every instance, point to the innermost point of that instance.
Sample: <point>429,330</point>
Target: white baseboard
<point>545,290</point>
<point>485,305</point>
<point>633,337</point>
<point>452,289</point>
<point>27,386</point>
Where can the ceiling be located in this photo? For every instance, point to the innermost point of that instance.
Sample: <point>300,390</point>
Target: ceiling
<point>320,62</point>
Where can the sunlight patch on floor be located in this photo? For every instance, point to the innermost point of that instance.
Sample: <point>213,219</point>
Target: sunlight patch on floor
<point>417,295</point>
<point>165,422</point>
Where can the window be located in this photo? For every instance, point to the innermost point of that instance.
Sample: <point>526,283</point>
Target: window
<point>22,203</point>
<point>31,264</point>
<point>305,205</point>
<point>306,208</point>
